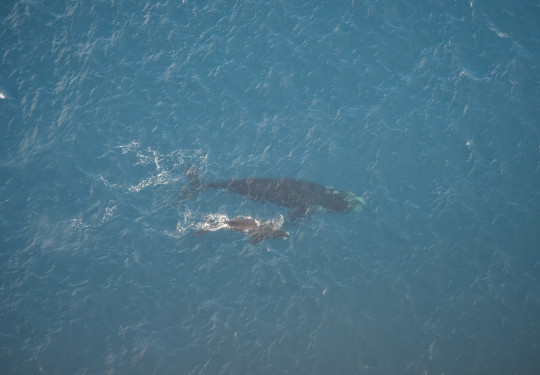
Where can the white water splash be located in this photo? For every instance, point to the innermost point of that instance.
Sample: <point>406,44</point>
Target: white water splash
<point>162,168</point>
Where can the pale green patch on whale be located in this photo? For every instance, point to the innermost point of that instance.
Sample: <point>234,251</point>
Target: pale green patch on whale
<point>331,190</point>
<point>357,202</point>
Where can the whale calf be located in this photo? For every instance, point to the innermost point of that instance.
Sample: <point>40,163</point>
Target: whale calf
<point>257,229</point>
<point>303,197</point>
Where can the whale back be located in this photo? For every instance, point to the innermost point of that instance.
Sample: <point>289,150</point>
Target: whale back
<point>289,192</point>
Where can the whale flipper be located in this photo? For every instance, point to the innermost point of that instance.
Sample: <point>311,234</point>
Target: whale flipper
<point>256,239</point>
<point>202,232</point>
<point>299,212</point>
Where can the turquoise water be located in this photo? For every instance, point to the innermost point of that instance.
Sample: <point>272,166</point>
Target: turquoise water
<point>428,111</point>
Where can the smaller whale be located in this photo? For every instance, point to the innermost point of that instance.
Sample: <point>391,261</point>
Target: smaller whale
<point>257,229</point>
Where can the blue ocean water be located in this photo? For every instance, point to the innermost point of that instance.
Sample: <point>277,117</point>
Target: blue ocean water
<point>430,111</point>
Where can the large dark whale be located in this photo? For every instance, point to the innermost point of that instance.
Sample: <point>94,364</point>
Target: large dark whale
<point>257,229</point>
<point>303,197</point>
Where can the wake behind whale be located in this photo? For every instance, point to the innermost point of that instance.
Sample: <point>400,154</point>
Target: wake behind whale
<point>303,197</point>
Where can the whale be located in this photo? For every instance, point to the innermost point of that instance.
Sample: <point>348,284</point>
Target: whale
<point>302,197</point>
<point>257,229</point>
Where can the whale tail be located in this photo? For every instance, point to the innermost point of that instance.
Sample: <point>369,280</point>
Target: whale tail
<point>194,187</point>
